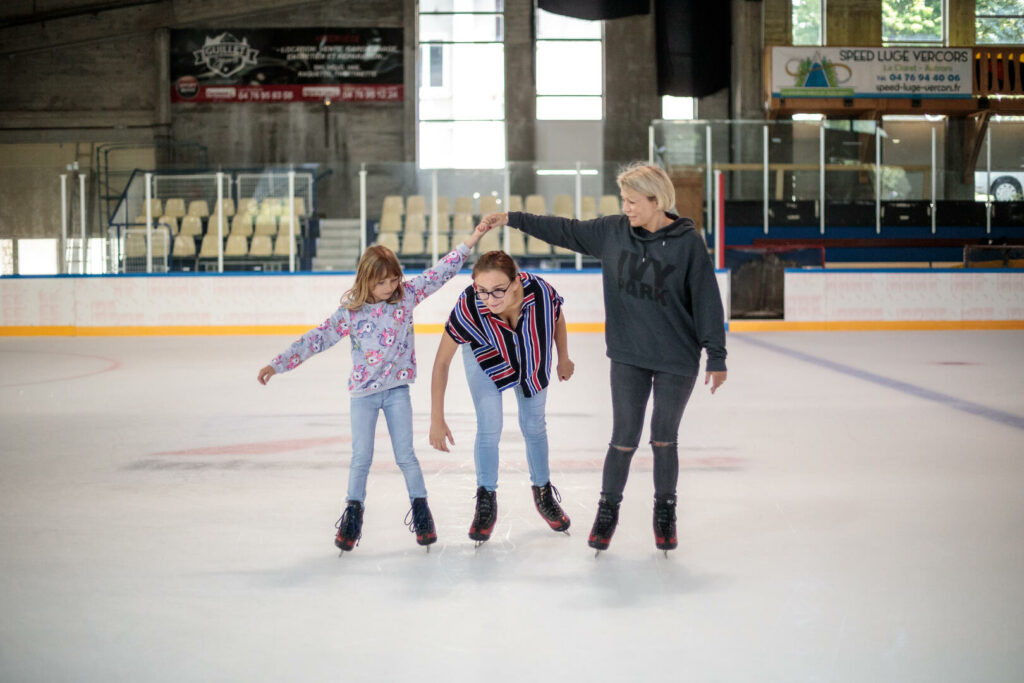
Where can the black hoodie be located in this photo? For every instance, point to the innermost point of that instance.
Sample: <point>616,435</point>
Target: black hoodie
<point>661,298</point>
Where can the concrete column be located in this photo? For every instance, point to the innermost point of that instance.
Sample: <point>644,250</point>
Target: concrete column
<point>631,99</point>
<point>162,59</point>
<point>520,86</point>
<point>853,22</point>
<point>961,22</point>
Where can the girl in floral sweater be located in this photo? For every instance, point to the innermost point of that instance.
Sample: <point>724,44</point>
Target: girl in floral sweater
<point>376,315</point>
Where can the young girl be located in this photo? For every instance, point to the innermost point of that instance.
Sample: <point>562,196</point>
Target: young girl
<point>507,321</point>
<point>377,315</point>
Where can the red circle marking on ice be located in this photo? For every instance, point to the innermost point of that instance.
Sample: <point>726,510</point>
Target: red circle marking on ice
<point>112,365</point>
<point>261,447</point>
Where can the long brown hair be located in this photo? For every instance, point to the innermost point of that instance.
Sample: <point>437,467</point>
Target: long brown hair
<point>377,263</point>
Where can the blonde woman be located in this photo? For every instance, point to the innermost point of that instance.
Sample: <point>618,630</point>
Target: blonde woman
<point>662,307</point>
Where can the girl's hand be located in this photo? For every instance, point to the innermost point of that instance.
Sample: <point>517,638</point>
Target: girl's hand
<point>265,374</point>
<point>565,369</point>
<point>440,435</point>
<point>474,237</point>
<point>493,220</point>
<point>716,378</point>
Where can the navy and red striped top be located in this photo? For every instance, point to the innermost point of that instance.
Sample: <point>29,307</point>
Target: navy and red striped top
<point>510,357</point>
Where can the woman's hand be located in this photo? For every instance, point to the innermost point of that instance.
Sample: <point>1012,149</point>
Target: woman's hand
<point>716,378</point>
<point>265,374</point>
<point>565,369</point>
<point>493,220</point>
<point>440,435</point>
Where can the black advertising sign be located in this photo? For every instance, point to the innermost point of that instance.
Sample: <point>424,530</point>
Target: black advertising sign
<point>286,65</point>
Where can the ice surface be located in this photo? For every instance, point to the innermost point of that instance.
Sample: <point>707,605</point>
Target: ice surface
<point>850,510</point>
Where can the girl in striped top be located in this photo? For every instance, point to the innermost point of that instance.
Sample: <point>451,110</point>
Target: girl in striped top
<point>506,322</point>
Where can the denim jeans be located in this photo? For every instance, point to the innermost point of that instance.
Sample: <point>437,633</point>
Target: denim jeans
<point>488,403</point>
<point>398,413</point>
<point>631,387</point>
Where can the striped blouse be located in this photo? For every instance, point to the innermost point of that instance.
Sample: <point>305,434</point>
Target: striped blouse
<point>510,357</point>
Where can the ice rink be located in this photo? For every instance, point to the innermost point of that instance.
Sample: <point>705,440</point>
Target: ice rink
<point>851,509</point>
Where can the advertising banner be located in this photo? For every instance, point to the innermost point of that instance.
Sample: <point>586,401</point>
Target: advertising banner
<point>286,65</point>
<point>917,72</point>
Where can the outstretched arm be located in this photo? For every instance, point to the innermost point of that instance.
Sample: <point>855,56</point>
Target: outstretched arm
<point>440,434</point>
<point>565,367</point>
<point>586,237</point>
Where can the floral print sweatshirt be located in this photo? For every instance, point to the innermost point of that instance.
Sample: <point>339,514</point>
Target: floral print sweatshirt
<point>383,348</point>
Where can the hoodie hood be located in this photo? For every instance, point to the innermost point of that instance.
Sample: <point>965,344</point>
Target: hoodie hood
<point>677,227</point>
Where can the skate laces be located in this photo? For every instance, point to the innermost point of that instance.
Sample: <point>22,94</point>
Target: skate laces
<point>605,518</point>
<point>418,518</point>
<point>664,513</point>
<point>549,500</point>
<point>484,504</point>
<point>348,525</point>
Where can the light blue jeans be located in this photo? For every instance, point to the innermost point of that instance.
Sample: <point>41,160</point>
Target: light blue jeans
<point>397,409</point>
<point>488,404</point>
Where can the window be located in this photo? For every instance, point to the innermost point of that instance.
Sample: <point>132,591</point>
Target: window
<point>678,108</point>
<point>999,21</point>
<point>461,81</point>
<point>807,26</point>
<point>570,68</point>
<point>914,22</point>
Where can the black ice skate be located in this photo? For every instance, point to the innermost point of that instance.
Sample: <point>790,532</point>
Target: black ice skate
<point>350,527</point>
<point>665,523</point>
<point>485,517</point>
<point>421,522</point>
<point>604,525</point>
<point>547,500</point>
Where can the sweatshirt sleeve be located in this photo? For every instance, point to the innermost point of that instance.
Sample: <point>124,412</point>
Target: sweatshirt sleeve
<point>586,237</point>
<point>709,316</point>
<point>431,280</point>
<point>320,338</point>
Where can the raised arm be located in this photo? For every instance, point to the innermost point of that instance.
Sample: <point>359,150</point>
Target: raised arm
<point>440,434</point>
<point>431,280</point>
<point>586,237</point>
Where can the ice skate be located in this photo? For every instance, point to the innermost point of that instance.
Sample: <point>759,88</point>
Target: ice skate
<point>350,527</point>
<point>546,498</point>
<point>604,525</point>
<point>421,522</point>
<point>485,517</point>
<point>665,523</point>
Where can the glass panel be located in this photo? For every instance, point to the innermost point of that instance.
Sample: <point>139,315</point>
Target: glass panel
<point>569,108</point>
<point>462,144</point>
<point>1001,30</point>
<point>569,68</point>
<point>807,22</point>
<point>461,28</point>
<point>461,6</point>
<point>912,21</point>
<point>472,81</point>
<point>37,257</point>
<point>849,160</point>
<point>1006,180</point>
<point>554,26</point>
<point>906,159</point>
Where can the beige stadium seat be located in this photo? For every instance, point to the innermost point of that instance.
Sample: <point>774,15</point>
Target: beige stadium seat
<point>415,222</point>
<point>537,247</point>
<point>609,205</point>
<point>284,223</point>
<point>415,203</point>
<point>184,247</point>
<point>241,224</point>
<point>266,224</point>
<point>157,207</point>
<point>536,204</point>
<point>300,206</point>
<point>462,224</point>
<point>489,204</point>
<point>281,246</point>
<point>563,206</point>
<point>444,223</point>
<point>248,205</point>
<point>212,223</point>
<point>272,206</point>
<point>444,243</point>
<point>161,243</point>
<point>516,243</point>
<point>515,202</point>
<point>464,205</point>
<point>169,222</point>
<point>393,204</point>
<point>237,246</point>
<point>174,206</point>
<point>198,207</point>
<point>389,240</point>
<point>562,251</point>
<point>491,241</point>
<point>391,222</point>
<point>444,205</point>
<point>261,246</point>
<point>135,245</point>
<point>228,205</point>
<point>208,248</point>
<point>412,243</point>
<point>588,208</point>
<point>191,225</point>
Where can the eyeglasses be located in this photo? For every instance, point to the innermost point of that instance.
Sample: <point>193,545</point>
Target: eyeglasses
<point>498,293</point>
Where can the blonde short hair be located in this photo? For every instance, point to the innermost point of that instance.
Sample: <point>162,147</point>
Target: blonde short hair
<point>650,181</point>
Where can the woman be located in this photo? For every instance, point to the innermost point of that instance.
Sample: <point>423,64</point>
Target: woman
<point>506,321</point>
<point>662,306</point>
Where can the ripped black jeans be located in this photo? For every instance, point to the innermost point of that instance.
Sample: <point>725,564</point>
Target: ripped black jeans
<point>631,387</point>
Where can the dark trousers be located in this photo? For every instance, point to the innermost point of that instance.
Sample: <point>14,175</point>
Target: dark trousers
<point>631,387</point>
